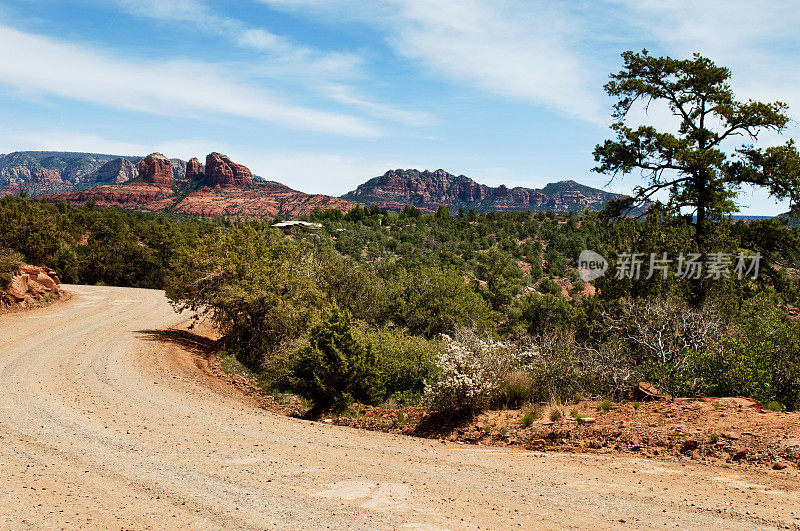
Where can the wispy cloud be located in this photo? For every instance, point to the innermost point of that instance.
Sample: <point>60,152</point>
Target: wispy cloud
<point>15,139</point>
<point>283,54</point>
<point>506,48</point>
<point>35,63</point>
<point>526,51</point>
<point>347,96</point>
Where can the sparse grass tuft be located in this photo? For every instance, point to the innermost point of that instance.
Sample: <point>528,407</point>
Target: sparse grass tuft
<point>531,415</point>
<point>636,405</point>
<point>576,414</point>
<point>713,438</point>
<point>604,406</point>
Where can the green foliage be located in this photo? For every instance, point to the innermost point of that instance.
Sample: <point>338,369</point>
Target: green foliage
<point>773,406</point>
<point>336,366</point>
<point>537,313</point>
<point>403,362</point>
<point>430,301</point>
<point>259,288</point>
<point>502,276</point>
<point>692,164</point>
<point>9,264</point>
<point>531,416</point>
<point>762,363</point>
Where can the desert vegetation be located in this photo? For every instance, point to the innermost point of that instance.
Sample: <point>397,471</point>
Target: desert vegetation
<point>463,311</point>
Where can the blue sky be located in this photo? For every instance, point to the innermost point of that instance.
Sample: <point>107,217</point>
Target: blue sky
<point>324,94</point>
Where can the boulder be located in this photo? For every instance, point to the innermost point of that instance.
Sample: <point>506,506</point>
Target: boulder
<point>222,171</point>
<point>18,287</point>
<point>644,392</point>
<point>47,281</point>
<point>156,169</point>
<point>689,445</point>
<point>194,169</point>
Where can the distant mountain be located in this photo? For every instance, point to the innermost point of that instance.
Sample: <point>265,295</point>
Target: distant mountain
<point>43,172</point>
<point>221,188</point>
<point>427,190</point>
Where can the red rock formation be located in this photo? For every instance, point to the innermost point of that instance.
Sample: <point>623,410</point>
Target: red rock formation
<point>194,169</point>
<point>262,199</point>
<point>156,169</point>
<point>135,196</point>
<point>222,171</point>
<point>29,284</point>
<point>428,190</point>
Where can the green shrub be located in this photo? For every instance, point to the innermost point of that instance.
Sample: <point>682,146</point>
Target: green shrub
<point>762,363</point>
<point>335,366</point>
<point>773,406</point>
<point>636,405</point>
<point>403,362</point>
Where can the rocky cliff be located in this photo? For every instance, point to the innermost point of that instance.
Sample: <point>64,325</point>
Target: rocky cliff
<point>194,169</point>
<point>156,169</point>
<point>427,190</point>
<point>222,171</point>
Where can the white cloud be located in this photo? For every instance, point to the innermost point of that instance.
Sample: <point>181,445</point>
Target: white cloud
<point>176,88</point>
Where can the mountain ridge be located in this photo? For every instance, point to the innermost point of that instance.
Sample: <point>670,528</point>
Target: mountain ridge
<point>428,190</point>
<point>221,187</point>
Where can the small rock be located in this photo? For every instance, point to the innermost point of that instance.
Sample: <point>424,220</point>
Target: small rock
<point>778,465</point>
<point>689,445</point>
<point>587,420</point>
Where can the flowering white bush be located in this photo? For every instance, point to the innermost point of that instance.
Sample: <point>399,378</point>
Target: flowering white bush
<point>471,372</point>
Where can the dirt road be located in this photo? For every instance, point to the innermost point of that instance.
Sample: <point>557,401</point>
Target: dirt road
<point>103,425</point>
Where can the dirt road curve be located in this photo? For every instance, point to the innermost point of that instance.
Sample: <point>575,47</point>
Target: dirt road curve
<point>103,425</point>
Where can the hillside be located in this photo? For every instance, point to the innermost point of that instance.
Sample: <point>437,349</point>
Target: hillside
<point>428,190</point>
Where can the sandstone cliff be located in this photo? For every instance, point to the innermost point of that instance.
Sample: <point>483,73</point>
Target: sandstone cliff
<point>194,169</point>
<point>156,169</point>
<point>222,171</point>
